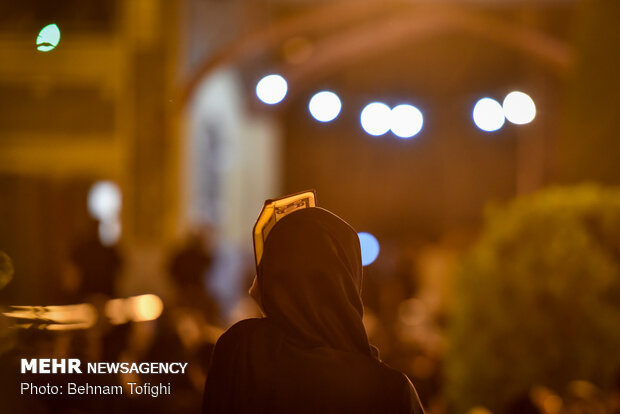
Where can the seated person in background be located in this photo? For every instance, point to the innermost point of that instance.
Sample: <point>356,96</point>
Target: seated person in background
<point>310,354</point>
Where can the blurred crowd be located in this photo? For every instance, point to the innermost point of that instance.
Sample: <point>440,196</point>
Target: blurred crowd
<point>406,312</point>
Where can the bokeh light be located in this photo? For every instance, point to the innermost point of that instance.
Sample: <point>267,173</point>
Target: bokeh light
<point>104,200</point>
<point>48,38</point>
<point>139,308</point>
<point>145,307</point>
<point>370,247</point>
<point>54,318</point>
<point>325,106</point>
<point>376,118</point>
<point>519,108</point>
<point>271,89</point>
<point>104,204</point>
<point>488,115</point>
<point>406,121</point>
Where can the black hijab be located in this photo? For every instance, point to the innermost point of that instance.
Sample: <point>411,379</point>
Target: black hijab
<point>309,281</point>
<point>311,353</point>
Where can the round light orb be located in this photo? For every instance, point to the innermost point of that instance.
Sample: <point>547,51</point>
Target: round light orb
<point>271,89</point>
<point>519,108</point>
<point>48,38</point>
<point>369,246</point>
<point>488,115</point>
<point>145,307</point>
<point>376,118</point>
<point>324,106</point>
<point>406,121</point>
<point>104,200</point>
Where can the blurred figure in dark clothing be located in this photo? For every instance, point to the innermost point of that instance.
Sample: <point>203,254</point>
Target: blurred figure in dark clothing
<point>189,269</point>
<point>98,266</point>
<point>190,263</point>
<point>311,353</point>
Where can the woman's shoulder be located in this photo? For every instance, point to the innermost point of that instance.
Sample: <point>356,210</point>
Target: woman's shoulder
<point>246,324</point>
<point>402,390</point>
<point>243,329</point>
<point>408,394</point>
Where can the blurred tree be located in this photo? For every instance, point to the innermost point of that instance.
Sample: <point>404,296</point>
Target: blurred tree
<point>537,300</point>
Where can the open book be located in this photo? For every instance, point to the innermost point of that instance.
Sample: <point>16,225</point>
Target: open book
<point>273,211</point>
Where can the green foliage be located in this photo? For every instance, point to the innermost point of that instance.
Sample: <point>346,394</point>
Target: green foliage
<point>537,300</point>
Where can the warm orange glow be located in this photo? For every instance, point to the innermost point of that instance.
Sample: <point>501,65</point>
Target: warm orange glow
<point>552,404</point>
<point>133,309</point>
<point>145,307</point>
<point>81,316</point>
<point>479,410</point>
<point>66,327</point>
<point>84,315</point>
<point>546,400</point>
<point>116,311</point>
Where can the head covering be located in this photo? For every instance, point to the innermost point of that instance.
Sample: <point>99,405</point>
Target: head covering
<point>309,281</point>
<point>311,353</point>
